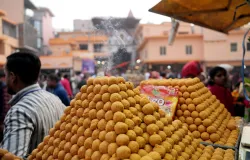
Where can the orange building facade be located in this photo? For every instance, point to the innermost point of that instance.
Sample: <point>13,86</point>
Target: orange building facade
<point>70,48</point>
<point>8,37</point>
<point>191,43</point>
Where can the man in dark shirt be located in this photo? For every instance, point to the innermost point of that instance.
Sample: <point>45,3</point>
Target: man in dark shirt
<point>55,87</point>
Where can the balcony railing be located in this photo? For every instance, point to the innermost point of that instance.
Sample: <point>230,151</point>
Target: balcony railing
<point>9,29</point>
<point>27,35</point>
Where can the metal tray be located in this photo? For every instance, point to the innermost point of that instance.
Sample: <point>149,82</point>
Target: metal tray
<point>235,148</point>
<point>237,144</point>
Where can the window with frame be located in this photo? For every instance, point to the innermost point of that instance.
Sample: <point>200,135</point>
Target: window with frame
<point>233,47</point>
<point>9,29</point>
<point>98,47</point>
<point>83,46</point>
<point>248,46</point>
<point>39,43</point>
<point>163,51</point>
<point>189,49</point>
<point>37,26</point>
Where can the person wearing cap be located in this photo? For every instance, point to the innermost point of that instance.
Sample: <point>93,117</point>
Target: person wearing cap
<point>191,70</point>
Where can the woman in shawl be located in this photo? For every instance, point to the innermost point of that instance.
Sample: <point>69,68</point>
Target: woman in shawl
<point>217,84</point>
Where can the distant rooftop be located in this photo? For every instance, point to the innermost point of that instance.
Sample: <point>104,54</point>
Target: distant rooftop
<point>130,14</point>
<point>117,23</point>
<point>28,4</point>
<point>44,9</point>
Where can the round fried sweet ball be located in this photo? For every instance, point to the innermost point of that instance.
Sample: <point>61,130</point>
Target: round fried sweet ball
<point>8,156</point>
<point>146,158</point>
<point>123,152</point>
<point>152,128</point>
<point>133,146</point>
<point>155,139</point>
<point>115,97</point>
<point>114,88</point>
<point>155,155</point>
<point>119,117</point>
<point>144,101</point>
<point>211,129</point>
<point>112,80</point>
<point>214,137</point>
<point>121,128</point>
<point>135,156</point>
<point>205,136</point>
<point>148,109</point>
<point>148,119</point>
<point>160,149</point>
<point>117,106</point>
<point>122,139</point>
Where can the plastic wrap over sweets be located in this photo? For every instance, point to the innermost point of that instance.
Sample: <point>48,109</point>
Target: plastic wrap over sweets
<point>165,97</point>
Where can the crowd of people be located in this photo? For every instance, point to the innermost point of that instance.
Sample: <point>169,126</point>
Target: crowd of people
<point>221,84</point>
<point>36,103</point>
<point>62,85</point>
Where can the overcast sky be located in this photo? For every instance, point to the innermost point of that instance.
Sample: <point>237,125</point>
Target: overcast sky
<point>66,11</point>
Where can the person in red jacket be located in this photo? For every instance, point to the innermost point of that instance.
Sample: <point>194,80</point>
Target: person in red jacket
<point>66,84</point>
<point>217,84</point>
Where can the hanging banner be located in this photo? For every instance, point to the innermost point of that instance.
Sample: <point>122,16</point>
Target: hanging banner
<point>88,66</point>
<point>88,61</point>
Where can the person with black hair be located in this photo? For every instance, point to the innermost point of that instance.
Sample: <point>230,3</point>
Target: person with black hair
<point>163,75</point>
<point>83,81</point>
<point>33,110</point>
<point>54,86</point>
<point>217,84</point>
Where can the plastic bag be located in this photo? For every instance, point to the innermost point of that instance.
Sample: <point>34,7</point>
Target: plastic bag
<point>165,97</point>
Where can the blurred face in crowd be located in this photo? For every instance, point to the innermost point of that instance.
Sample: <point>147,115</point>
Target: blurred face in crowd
<point>220,78</point>
<point>12,81</point>
<point>51,83</point>
<point>2,78</point>
<point>202,78</point>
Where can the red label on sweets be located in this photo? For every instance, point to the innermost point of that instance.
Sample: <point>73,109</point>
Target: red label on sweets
<point>165,97</point>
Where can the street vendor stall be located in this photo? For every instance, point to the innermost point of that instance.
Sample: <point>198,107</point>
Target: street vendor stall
<point>221,16</point>
<point>161,119</point>
<point>110,119</point>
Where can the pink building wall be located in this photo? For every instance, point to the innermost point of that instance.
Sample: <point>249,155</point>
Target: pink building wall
<point>208,46</point>
<point>175,53</point>
<point>14,9</point>
<point>47,28</point>
<point>221,50</point>
<point>210,35</point>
